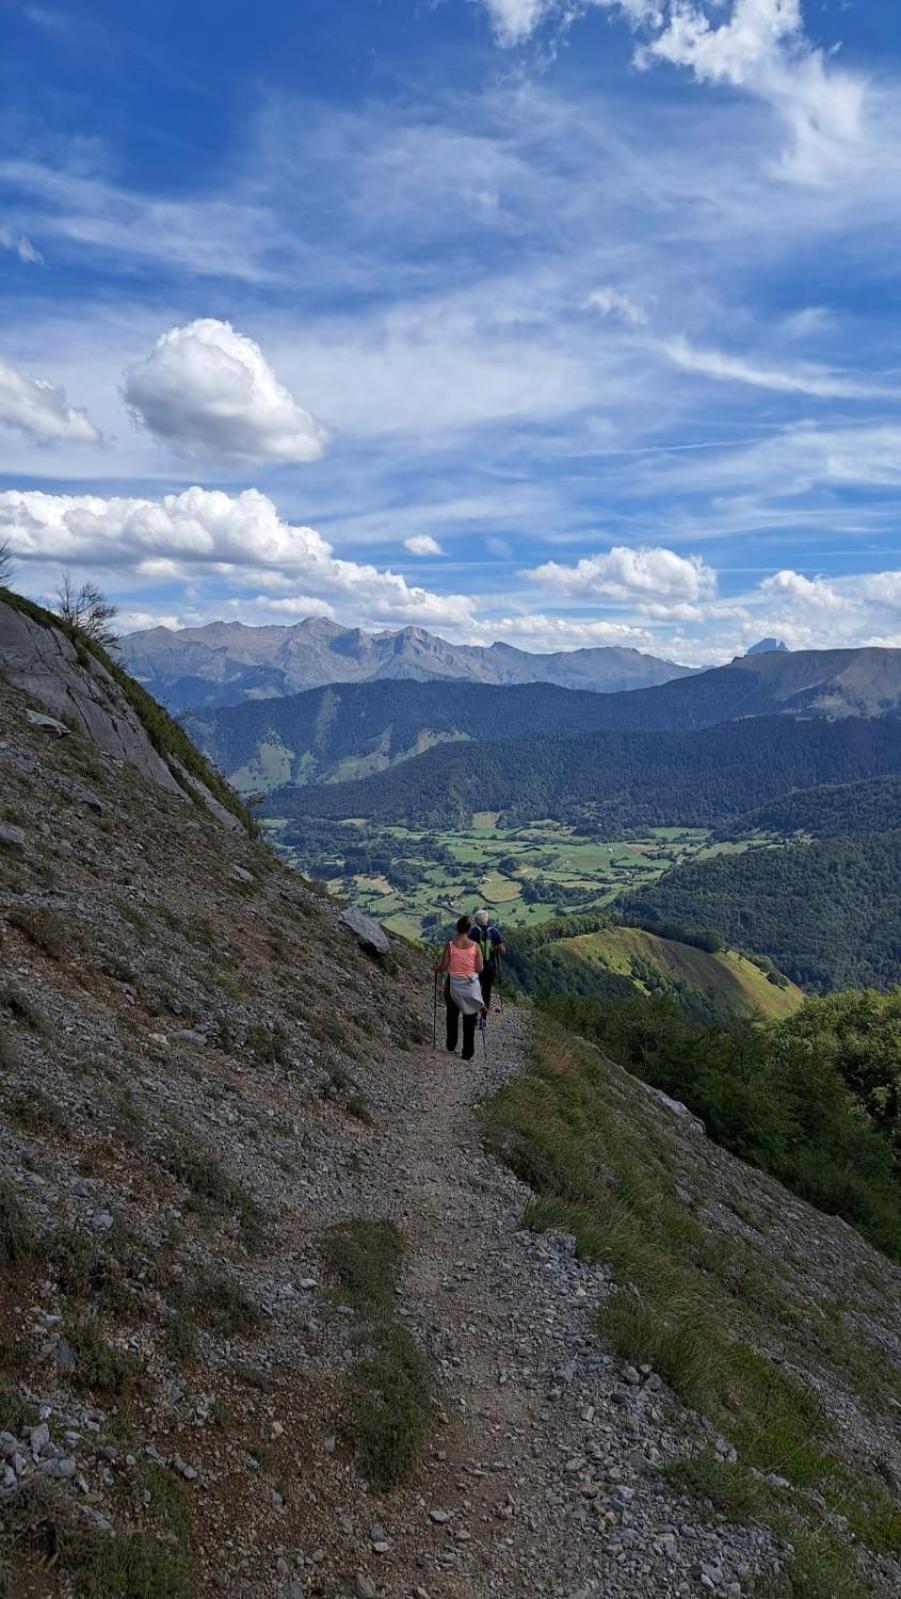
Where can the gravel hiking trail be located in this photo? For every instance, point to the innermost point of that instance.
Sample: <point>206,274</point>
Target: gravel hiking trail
<point>538,1478</point>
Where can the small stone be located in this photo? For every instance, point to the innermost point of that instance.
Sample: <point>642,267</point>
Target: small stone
<point>12,839</point>
<point>102,1221</point>
<point>47,724</point>
<point>364,1587</point>
<point>439,1517</point>
<point>39,1438</point>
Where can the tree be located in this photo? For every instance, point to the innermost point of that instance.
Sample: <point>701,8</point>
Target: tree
<point>88,610</point>
<point>6,565</point>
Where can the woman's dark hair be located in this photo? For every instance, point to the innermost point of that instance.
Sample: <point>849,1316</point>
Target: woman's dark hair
<point>464,924</point>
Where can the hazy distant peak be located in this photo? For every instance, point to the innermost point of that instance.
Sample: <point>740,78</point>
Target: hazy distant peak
<point>765,646</point>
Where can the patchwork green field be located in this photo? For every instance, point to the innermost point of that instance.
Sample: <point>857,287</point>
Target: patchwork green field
<point>416,882</point>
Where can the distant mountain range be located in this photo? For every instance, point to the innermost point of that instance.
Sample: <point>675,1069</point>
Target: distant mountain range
<point>348,731</point>
<point>226,663</point>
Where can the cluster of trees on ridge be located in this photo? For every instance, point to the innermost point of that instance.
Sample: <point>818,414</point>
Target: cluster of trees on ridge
<point>813,1099</point>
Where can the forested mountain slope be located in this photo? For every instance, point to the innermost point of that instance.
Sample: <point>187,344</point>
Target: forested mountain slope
<point>613,780</point>
<point>835,810</point>
<point>351,730</point>
<point>828,913</point>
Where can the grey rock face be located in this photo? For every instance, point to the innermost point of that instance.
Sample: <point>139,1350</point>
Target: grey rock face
<point>44,663</point>
<point>367,932</point>
<point>12,839</point>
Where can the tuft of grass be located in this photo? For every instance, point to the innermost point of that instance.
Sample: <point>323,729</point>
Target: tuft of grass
<point>389,1394</point>
<point>180,1333</point>
<point>33,1109</point>
<point>44,1528</point>
<point>100,1367</point>
<point>46,930</point>
<point>730,1490</point>
<point>17,1239</point>
<point>227,1307</point>
<point>213,1192</point>
<point>22,1008</point>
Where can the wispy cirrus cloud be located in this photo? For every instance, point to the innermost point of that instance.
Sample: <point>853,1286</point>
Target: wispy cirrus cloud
<point>726,368</point>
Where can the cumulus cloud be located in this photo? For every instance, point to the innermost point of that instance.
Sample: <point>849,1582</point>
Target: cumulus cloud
<point>801,590</point>
<point>41,410</point>
<point>228,535</point>
<point>624,574</point>
<point>423,544</point>
<point>209,391</point>
<point>610,302</point>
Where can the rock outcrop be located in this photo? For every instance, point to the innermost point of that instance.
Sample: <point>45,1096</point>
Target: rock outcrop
<point>79,692</point>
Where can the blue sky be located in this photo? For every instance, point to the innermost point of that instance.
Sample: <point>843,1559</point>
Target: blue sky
<point>560,321</point>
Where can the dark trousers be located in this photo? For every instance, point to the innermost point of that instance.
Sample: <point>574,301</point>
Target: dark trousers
<point>453,1028</point>
<point>486,978</point>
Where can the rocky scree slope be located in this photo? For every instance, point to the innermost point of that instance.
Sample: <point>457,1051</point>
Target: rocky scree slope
<point>183,1032</point>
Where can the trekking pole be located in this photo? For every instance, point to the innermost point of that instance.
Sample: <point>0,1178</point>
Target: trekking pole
<point>483,1029</point>
<point>500,984</point>
<point>435,1013</point>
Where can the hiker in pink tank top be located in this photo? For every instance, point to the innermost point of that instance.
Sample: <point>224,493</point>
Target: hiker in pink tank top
<point>462,964</point>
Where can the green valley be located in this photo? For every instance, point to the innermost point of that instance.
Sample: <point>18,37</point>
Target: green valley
<point>415,881</point>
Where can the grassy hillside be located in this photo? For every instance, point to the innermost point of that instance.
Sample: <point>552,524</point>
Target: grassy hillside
<point>698,1296</point>
<point>730,983</point>
<point>614,781</point>
<point>828,913</point>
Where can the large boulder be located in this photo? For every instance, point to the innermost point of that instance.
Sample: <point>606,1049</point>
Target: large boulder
<point>366,931</point>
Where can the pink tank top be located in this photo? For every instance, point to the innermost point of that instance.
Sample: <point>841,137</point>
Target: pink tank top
<point>462,962</point>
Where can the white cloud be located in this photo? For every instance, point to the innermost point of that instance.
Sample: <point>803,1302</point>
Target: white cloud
<point>759,46</point>
<point>514,21</point>
<point>231,536</point>
<point>610,302</point>
<point>818,381</point>
<point>21,246</point>
<point>41,410</point>
<point>423,544</point>
<point>209,391</point>
<point>797,589</point>
<point>624,574</point>
<point>762,48</point>
<point>499,548</point>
